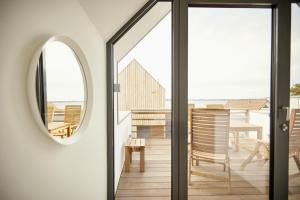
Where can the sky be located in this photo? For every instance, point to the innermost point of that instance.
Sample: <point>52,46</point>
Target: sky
<point>295,45</point>
<point>229,52</point>
<point>63,73</point>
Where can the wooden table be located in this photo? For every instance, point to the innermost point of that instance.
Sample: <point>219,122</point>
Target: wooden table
<point>135,145</point>
<point>57,129</point>
<point>237,127</point>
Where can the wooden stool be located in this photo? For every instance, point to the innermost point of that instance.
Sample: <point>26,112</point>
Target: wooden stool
<point>137,145</point>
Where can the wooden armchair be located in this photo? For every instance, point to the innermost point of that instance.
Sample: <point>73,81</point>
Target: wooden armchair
<point>72,116</point>
<point>209,141</point>
<point>294,144</point>
<point>190,107</point>
<point>294,139</point>
<point>50,112</point>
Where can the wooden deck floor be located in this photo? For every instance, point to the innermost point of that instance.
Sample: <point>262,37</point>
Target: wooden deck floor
<point>155,182</point>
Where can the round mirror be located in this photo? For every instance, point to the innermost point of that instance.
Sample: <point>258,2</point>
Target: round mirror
<point>60,89</point>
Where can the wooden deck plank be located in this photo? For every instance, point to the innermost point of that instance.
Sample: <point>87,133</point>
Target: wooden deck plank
<point>155,183</point>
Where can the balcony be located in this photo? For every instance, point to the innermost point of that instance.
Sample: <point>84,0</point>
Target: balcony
<point>250,182</point>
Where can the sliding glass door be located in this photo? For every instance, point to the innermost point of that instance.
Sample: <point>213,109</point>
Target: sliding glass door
<point>229,85</point>
<point>234,63</point>
<point>228,131</point>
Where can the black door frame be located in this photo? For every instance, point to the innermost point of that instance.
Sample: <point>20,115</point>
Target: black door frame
<point>280,74</point>
<point>41,88</point>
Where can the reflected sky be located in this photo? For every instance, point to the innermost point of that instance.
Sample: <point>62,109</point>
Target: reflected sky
<point>64,78</point>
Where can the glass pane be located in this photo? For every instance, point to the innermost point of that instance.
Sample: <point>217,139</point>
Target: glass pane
<point>229,103</point>
<point>143,108</point>
<point>294,139</point>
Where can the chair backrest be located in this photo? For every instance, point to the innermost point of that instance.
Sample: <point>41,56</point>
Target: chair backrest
<point>50,112</point>
<point>190,107</point>
<point>246,104</point>
<point>294,133</point>
<point>72,114</point>
<point>210,130</point>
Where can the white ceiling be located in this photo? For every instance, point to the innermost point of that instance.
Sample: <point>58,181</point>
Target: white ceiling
<point>109,15</point>
<point>140,29</point>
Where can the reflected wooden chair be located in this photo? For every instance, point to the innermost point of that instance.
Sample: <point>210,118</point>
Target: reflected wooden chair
<point>294,144</point>
<point>50,112</point>
<point>56,128</point>
<point>209,142</point>
<point>72,116</point>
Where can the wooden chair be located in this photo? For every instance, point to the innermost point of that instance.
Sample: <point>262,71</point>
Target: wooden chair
<point>50,112</point>
<point>190,107</point>
<point>209,141</point>
<point>55,128</point>
<point>72,116</point>
<point>294,144</point>
<point>294,139</point>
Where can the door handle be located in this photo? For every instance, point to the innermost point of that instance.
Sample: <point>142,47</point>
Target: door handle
<point>284,127</point>
<point>287,109</point>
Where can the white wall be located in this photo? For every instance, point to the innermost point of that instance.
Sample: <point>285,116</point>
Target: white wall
<point>141,28</point>
<point>122,131</point>
<point>33,166</point>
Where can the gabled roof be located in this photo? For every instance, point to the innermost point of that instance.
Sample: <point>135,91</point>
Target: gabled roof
<point>135,63</point>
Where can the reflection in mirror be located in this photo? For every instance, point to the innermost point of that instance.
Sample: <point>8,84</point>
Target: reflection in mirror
<point>60,89</point>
